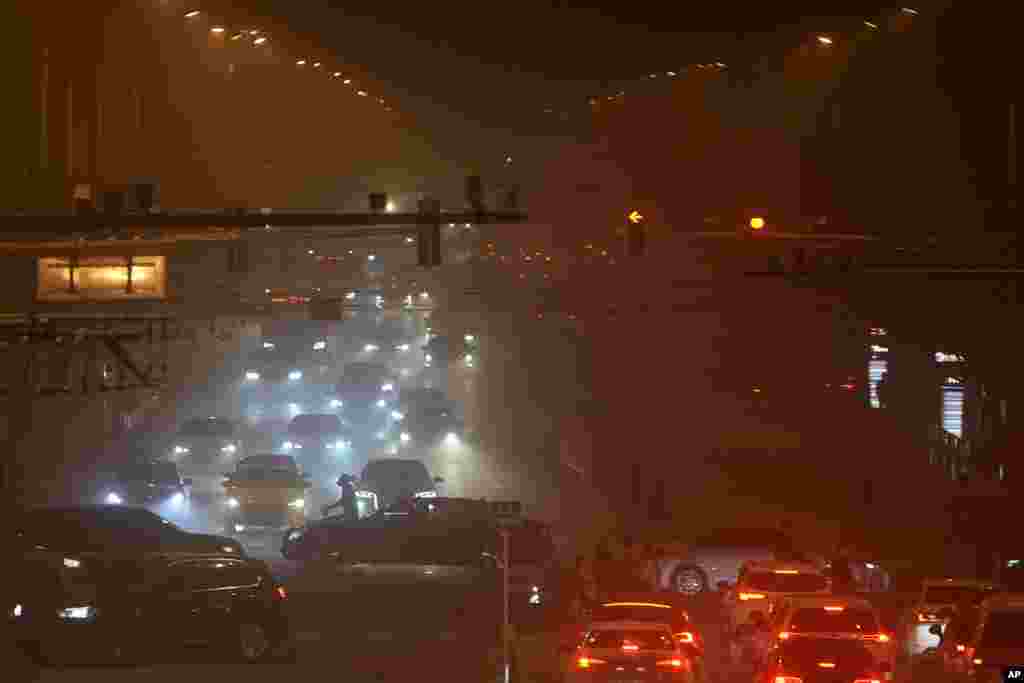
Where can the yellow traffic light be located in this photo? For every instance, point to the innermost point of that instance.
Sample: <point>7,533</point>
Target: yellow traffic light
<point>756,223</point>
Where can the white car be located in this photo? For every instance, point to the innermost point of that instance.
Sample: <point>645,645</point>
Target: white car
<point>762,583</point>
<point>833,618</point>
<point>939,597</point>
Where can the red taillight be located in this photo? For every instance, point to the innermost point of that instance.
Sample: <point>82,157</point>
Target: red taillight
<point>826,665</point>
<point>587,662</point>
<point>686,637</point>
<point>877,637</point>
<point>784,635</point>
<point>674,663</point>
<point>787,679</point>
<point>630,647</point>
<point>868,680</point>
<point>752,596</point>
<point>280,593</point>
<point>961,647</point>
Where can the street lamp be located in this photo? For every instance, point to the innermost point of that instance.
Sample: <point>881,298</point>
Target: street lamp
<point>217,29</point>
<point>824,40</point>
<point>192,14</point>
<point>259,41</point>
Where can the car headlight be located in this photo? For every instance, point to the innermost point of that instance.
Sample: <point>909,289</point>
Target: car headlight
<point>451,439</point>
<point>180,450</point>
<point>178,498</point>
<point>426,494</point>
<point>382,403</point>
<point>232,502</point>
<point>252,376</point>
<point>297,504</point>
<point>429,358</point>
<point>387,387</point>
<point>395,415</point>
<point>72,563</point>
<point>16,611</point>
<point>82,613</point>
<point>402,347</point>
<point>113,499</point>
<point>341,444</point>
<point>405,437</point>
<point>295,375</point>
<point>320,346</point>
<point>335,403</point>
<point>287,445</point>
<point>370,348</point>
<point>239,528</point>
<point>229,449</point>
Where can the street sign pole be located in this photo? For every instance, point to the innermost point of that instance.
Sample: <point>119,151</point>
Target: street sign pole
<point>506,630</point>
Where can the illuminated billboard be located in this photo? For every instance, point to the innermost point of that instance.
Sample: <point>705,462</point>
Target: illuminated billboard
<point>101,278</point>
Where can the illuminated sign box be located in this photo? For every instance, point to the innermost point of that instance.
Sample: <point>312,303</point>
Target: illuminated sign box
<point>101,278</point>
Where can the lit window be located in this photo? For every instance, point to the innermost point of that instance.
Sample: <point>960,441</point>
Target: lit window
<point>101,278</point>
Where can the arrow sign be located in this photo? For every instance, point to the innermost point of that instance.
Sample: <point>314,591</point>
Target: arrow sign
<point>635,217</point>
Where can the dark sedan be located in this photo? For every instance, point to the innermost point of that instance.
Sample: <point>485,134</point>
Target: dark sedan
<point>86,529</point>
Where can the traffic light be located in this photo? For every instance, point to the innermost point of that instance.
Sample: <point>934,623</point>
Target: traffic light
<point>428,235</point>
<point>636,234</point>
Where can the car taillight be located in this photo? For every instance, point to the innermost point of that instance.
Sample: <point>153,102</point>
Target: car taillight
<point>630,647</point>
<point>787,679</point>
<point>868,680</point>
<point>587,662</point>
<point>752,596</point>
<point>674,663</point>
<point>877,637</point>
<point>784,635</point>
<point>686,637</point>
<point>280,593</point>
<point>960,647</point>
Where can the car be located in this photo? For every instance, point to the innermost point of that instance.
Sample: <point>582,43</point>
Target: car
<point>270,367</point>
<point>156,485</point>
<point>389,478</point>
<point>714,560</point>
<point>998,642</point>
<point>761,583</point>
<point>205,449</point>
<point>366,386</point>
<point>265,493</point>
<point>936,603</point>
<point>162,601</point>
<point>310,436</point>
<point>630,651</point>
<point>74,530</point>
<point>428,426</point>
<point>829,618</point>
<point>819,661</point>
<point>659,608</point>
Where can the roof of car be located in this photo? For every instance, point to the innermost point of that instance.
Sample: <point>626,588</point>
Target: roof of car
<point>781,567</point>
<point>959,583</point>
<point>1004,602</point>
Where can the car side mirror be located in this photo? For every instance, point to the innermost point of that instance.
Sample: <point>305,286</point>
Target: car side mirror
<point>187,481</point>
<point>935,629</point>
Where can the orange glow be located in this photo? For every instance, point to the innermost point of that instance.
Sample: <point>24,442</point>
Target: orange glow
<point>217,29</point>
<point>752,596</point>
<point>784,635</point>
<point>756,223</point>
<point>685,637</point>
<point>786,571</point>
<point>834,608</point>
<point>827,665</point>
<point>674,663</point>
<point>192,14</point>
<point>587,662</point>
<point>630,647</point>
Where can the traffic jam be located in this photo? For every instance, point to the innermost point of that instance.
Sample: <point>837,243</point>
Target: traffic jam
<point>328,460</point>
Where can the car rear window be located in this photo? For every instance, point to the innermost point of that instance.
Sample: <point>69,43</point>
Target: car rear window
<point>820,620</point>
<point>315,424</point>
<point>951,595</point>
<point>785,583</point>
<point>617,638</point>
<point>1003,630</point>
<point>659,615</point>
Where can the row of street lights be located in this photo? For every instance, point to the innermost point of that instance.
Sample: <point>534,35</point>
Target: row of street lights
<point>257,37</point>
<point>822,40</point>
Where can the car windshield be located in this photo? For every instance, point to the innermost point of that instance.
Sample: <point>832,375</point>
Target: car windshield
<point>953,595</point>
<point>269,463</point>
<point>368,373</point>
<point>213,426</point>
<point>315,424</point>
<point>825,620</point>
<point>629,639</point>
<point>401,473</point>
<point>1003,630</point>
<point>785,583</point>
<point>163,473</point>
